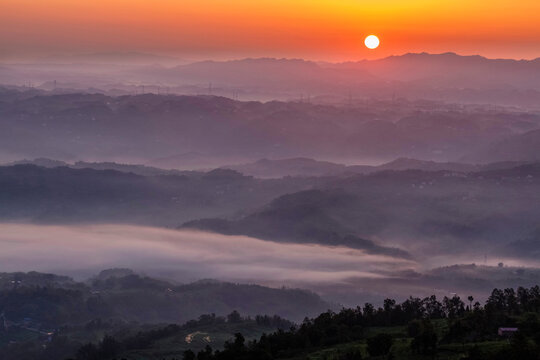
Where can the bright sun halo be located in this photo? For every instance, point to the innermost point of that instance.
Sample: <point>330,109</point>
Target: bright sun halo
<point>372,42</point>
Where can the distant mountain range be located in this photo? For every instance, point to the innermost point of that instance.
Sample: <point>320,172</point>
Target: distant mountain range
<point>194,132</point>
<point>117,58</point>
<point>129,168</point>
<point>73,195</point>
<point>453,70</point>
<point>411,207</point>
<point>449,77</point>
<point>440,70</point>
<point>266,168</point>
<point>524,147</point>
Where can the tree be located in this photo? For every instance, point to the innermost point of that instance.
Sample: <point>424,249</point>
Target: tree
<point>521,348</point>
<point>424,337</point>
<point>237,345</point>
<point>414,328</point>
<point>88,352</point>
<point>510,299</point>
<point>368,310</point>
<point>523,298</point>
<point>109,347</point>
<point>453,306</point>
<point>471,299</point>
<point>234,317</point>
<point>413,308</point>
<point>205,354</point>
<point>188,355</point>
<point>433,308</point>
<point>379,344</point>
<point>389,306</point>
<point>496,301</point>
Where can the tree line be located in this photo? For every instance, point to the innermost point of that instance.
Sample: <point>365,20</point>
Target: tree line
<point>467,322</point>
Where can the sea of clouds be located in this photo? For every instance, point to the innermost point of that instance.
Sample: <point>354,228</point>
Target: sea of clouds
<point>184,255</point>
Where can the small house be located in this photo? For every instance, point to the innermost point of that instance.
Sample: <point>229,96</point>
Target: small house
<point>507,331</point>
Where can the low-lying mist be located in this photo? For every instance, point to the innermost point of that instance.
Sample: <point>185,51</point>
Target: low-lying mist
<point>183,255</point>
<point>340,274</point>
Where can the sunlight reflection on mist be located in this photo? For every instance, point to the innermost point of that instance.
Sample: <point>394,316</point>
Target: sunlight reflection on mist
<point>185,255</point>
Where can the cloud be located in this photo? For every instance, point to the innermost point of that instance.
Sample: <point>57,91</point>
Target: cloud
<point>184,255</point>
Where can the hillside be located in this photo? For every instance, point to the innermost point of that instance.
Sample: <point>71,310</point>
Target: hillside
<point>74,195</point>
<point>51,301</point>
<point>417,328</point>
<point>410,209</point>
<point>266,168</point>
<point>453,70</point>
<point>300,217</point>
<point>209,131</point>
<point>520,147</point>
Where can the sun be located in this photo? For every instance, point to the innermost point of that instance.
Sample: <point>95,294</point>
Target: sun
<point>372,42</point>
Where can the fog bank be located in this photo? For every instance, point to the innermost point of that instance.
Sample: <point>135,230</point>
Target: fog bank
<point>184,255</point>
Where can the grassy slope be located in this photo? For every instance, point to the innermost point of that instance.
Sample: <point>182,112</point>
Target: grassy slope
<point>213,335</point>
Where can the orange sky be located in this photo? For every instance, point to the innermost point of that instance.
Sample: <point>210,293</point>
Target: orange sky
<point>315,29</point>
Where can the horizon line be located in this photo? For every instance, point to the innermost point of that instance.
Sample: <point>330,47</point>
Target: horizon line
<point>47,59</point>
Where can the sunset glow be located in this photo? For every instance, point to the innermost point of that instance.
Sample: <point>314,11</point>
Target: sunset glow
<point>319,29</point>
<point>269,179</point>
